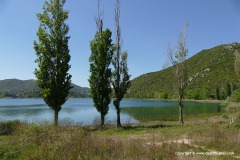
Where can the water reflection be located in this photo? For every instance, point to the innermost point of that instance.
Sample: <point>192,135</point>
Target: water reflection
<point>35,110</point>
<point>170,113</point>
<point>82,110</point>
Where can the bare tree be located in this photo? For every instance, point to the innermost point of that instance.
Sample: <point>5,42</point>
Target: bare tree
<point>99,18</point>
<point>178,60</point>
<point>121,78</point>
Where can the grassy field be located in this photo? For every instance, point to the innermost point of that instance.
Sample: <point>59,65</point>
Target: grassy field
<point>214,134</point>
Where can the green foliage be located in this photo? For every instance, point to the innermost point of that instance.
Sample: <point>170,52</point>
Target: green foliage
<point>53,55</point>
<point>162,95</point>
<point>8,153</point>
<point>193,94</point>
<point>236,96</point>
<point>8,127</point>
<point>121,80</point>
<point>205,92</point>
<point>198,94</point>
<point>237,62</point>
<point>212,67</point>
<point>218,93</point>
<point>100,78</point>
<point>229,88</point>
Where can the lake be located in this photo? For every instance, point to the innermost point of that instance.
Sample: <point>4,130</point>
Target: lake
<point>81,110</point>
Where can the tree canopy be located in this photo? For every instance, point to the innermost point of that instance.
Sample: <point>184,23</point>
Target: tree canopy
<point>53,55</point>
<point>100,78</point>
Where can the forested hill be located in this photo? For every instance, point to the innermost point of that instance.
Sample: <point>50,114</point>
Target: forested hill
<point>209,70</point>
<point>27,88</point>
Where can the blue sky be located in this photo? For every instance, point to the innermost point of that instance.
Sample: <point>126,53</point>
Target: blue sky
<point>148,26</point>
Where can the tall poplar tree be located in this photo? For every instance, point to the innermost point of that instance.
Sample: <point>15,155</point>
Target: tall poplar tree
<point>178,61</point>
<point>121,78</point>
<point>100,78</point>
<point>53,55</point>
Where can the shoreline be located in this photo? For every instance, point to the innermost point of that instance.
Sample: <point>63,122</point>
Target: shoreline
<point>186,100</point>
<point>172,100</point>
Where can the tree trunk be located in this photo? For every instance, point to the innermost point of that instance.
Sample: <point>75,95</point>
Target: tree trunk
<point>180,111</point>
<point>181,115</point>
<point>116,103</point>
<point>118,118</point>
<point>56,118</point>
<point>102,120</point>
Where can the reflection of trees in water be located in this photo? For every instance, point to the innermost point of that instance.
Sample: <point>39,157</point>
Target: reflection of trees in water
<point>168,113</point>
<point>87,113</point>
<point>32,106</point>
<point>70,110</point>
<point>152,113</point>
<point>36,110</point>
<point>25,112</point>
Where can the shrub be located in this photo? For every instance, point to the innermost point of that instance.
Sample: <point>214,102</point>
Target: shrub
<point>236,96</point>
<point>233,108</point>
<point>165,95</point>
<point>193,94</point>
<point>8,127</point>
<point>225,116</point>
<point>8,153</point>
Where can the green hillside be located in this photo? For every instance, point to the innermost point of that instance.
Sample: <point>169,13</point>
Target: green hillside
<point>15,88</point>
<point>207,70</point>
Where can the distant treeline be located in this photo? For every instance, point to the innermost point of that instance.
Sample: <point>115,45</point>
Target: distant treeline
<point>14,88</point>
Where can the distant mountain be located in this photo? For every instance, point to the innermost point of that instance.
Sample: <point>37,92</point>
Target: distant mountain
<point>27,88</point>
<point>208,70</point>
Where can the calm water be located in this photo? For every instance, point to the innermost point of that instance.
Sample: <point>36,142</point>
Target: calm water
<point>82,110</point>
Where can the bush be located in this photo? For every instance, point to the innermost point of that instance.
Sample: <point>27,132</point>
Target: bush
<point>225,116</point>
<point>8,153</point>
<point>165,95</point>
<point>193,94</point>
<point>8,127</point>
<point>236,96</point>
<point>233,108</point>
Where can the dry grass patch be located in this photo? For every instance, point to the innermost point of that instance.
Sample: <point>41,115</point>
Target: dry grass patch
<point>47,142</point>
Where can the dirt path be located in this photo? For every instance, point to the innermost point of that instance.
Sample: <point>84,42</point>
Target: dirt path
<point>190,142</point>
